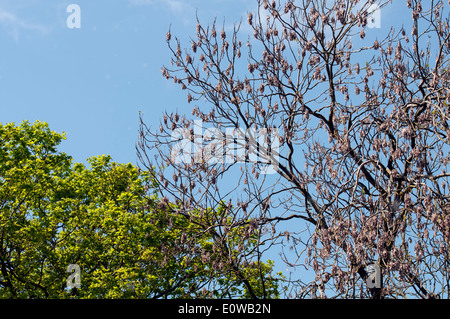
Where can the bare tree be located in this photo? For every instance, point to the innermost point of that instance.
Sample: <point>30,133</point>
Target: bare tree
<point>356,135</point>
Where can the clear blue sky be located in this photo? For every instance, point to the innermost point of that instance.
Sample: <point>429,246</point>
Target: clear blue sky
<point>92,82</point>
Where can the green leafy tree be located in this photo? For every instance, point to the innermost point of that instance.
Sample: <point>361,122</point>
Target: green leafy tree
<point>107,220</point>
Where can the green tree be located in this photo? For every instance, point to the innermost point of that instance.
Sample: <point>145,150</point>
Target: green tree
<point>107,220</point>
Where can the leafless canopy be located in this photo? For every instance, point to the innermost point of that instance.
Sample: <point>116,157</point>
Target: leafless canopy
<point>360,172</point>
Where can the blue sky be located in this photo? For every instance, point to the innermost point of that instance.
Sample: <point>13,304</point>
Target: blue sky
<point>92,82</point>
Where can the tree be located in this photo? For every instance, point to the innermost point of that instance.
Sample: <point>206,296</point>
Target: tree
<point>107,220</point>
<point>361,164</point>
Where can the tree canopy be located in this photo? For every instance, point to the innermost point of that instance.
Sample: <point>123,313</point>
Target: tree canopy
<point>354,122</point>
<point>106,219</point>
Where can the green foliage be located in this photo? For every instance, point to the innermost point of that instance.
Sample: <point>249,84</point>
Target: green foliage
<point>263,288</point>
<point>107,219</point>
